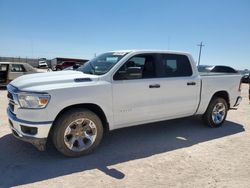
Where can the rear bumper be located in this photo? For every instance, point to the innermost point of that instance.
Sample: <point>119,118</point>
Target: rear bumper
<point>35,133</point>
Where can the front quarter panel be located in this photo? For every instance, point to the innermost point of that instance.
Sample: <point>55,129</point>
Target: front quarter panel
<point>96,92</point>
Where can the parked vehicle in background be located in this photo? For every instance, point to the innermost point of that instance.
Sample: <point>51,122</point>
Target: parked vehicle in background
<point>216,68</point>
<point>115,90</point>
<point>11,70</point>
<point>42,63</point>
<point>245,78</point>
<point>59,60</point>
<point>74,67</point>
<point>65,65</point>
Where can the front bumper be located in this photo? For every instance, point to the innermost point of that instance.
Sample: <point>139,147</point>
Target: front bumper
<point>35,133</point>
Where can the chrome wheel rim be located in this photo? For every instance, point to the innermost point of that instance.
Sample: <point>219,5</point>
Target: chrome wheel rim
<point>80,134</point>
<point>218,113</point>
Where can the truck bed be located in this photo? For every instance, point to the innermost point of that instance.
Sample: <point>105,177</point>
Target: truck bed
<point>214,82</point>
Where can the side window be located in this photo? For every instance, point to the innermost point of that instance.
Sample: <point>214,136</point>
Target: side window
<point>176,65</point>
<point>137,67</point>
<point>17,68</point>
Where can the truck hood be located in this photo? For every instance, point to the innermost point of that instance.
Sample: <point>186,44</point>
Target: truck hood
<point>51,80</point>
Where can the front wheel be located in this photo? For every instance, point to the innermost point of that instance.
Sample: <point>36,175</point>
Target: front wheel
<point>216,112</point>
<point>77,132</point>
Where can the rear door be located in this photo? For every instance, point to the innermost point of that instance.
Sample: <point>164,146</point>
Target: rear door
<point>179,86</point>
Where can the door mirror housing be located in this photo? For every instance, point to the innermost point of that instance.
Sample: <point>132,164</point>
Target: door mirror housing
<point>134,73</point>
<point>129,74</point>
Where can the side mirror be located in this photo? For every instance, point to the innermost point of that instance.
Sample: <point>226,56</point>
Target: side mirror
<point>134,73</point>
<point>129,74</point>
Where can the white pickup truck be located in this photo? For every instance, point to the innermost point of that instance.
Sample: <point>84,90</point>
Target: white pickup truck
<point>114,90</point>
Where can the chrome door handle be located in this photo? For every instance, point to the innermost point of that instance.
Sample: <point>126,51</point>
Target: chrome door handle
<point>191,83</point>
<point>155,86</point>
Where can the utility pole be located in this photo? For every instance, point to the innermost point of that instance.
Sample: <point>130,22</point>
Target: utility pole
<point>200,45</point>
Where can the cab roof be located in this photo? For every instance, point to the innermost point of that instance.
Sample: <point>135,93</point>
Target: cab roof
<point>149,51</point>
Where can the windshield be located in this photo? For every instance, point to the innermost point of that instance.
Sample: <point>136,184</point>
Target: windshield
<point>102,63</point>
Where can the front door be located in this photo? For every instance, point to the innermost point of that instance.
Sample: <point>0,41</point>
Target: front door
<point>136,99</point>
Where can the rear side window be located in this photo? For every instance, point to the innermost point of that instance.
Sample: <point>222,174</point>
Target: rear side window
<point>17,68</point>
<point>176,65</point>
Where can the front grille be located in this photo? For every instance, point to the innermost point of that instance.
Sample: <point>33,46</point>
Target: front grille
<point>12,107</point>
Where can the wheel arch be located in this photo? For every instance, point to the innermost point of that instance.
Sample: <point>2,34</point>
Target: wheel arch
<point>90,106</point>
<point>222,94</point>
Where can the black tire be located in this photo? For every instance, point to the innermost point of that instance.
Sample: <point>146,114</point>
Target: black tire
<point>208,116</point>
<point>64,121</point>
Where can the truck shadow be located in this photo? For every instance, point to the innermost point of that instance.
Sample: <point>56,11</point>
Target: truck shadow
<point>21,163</point>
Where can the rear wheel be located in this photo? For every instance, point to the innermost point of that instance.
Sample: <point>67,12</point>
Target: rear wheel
<point>216,112</point>
<point>77,132</point>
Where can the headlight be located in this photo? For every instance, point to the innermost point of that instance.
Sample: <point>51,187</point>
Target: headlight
<point>33,101</point>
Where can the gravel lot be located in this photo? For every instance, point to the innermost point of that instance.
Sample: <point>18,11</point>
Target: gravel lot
<point>179,153</point>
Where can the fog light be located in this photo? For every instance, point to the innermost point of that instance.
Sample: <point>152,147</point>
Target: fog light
<point>29,130</point>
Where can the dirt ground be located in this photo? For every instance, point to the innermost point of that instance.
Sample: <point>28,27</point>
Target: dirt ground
<point>178,153</point>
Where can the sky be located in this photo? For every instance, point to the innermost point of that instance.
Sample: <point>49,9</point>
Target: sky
<point>83,28</point>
